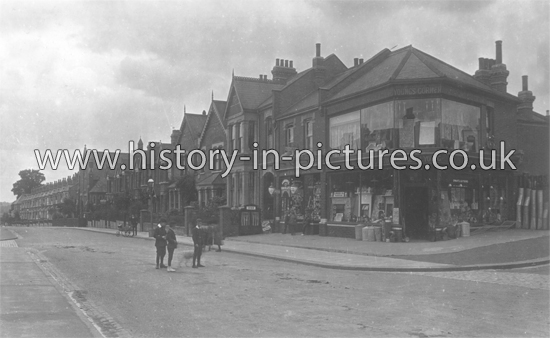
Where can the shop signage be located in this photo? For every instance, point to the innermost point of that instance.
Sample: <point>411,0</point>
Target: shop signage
<point>417,90</point>
<point>338,194</point>
<point>250,207</point>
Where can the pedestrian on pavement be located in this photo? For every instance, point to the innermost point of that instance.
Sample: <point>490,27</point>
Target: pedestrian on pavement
<point>292,221</point>
<point>172,244</point>
<point>198,242</point>
<point>287,222</point>
<point>134,223</point>
<point>160,242</point>
<point>218,237</point>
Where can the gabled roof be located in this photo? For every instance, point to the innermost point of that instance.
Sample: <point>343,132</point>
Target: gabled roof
<point>252,92</point>
<point>217,108</point>
<point>194,123</point>
<point>100,187</point>
<point>407,63</point>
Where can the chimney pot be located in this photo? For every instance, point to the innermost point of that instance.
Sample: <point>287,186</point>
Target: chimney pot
<point>355,61</point>
<point>291,64</point>
<point>286,63</point>
<point>525,83</point>
<point>261,77</point>
<point>360,61</point>
<point>318,50</point>
<point>481,63</point>
<point>276,62</point>
<point>499,52</point>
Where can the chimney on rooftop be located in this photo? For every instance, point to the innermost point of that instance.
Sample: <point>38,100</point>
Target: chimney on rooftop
<point>360,61</point>
<point>526,96</point>
<point>282,71</point>
<point>318,67</point>
<point>355,62</point>
<point>499,74</point>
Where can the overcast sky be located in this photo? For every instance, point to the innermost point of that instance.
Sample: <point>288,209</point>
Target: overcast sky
<point>101,73</point>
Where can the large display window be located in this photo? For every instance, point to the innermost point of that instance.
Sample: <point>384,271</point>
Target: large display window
<point>344,130</point>
<point>361,196</point>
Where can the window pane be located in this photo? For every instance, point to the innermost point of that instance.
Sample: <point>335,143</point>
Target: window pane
<point>424,116</point>
<point>460,125</point>
<point>345,129</point>
<point>377,123</point>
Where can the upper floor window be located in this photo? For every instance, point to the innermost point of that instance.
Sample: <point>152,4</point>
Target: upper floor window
<point>377,126</point>
<point>308,134</point>
<point>418,121</point>
<point>289,135</point>
<point>269,133</point>
<point>235,136</point>
<point>241,136</point>
<point>345,129</point>
<point>460,125</point>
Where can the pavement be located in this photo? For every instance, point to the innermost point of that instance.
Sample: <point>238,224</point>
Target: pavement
<point>33,303</point>
<point>36,301</point>
<point>499,249</point>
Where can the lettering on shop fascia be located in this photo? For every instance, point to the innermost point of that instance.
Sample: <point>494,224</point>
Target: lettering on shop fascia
<point>417,90</point>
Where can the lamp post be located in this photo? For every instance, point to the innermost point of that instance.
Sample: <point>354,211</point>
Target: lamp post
<point>151,183</point>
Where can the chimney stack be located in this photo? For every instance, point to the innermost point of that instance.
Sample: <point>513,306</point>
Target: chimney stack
<point>499,73</point>
<point>318,50</point>
<point>526,96</point>
<point>498,52</point>
<point>355,62</point>
<point>360,61</point>
<point>282,72</point>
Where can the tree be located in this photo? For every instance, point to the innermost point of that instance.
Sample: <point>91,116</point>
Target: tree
<point>30,179</point>
<point>187,188</point>
<point>68,207</point>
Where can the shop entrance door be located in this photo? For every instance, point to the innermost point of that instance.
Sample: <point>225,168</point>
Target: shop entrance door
<point>416,211</point>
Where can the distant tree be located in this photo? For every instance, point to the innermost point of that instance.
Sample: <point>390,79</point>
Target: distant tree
<point>187,188</point>
<point>30,179</point>
<point>5,218</point>
<point>68,207</point>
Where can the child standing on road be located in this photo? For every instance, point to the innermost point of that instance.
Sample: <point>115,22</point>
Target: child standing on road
<point>160,243</point>
<point>172,245</point>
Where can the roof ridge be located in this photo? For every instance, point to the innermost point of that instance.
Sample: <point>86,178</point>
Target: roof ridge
<point>424,54</point>
<point>254,79</point>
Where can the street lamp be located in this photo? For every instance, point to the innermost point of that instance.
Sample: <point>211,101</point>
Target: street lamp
<point>151,183</point>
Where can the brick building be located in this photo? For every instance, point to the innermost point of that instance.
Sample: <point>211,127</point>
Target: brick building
<point>404,99</point>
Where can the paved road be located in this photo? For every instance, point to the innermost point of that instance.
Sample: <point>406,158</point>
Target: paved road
<point>115,282</point>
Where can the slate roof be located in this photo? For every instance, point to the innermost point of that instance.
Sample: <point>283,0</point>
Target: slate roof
<point>195,123</point>
<point>211,179</point>
<point>407,63</point>
<point>100,187</point>
<point>253,92</point>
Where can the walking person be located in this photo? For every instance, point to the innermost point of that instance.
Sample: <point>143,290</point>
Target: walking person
<point>134,223</point>
<point>198,242</point>
<point>160,243</point>
<point>172,244</point>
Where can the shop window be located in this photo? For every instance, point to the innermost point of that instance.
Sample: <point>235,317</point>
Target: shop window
<point>460,126</point>
<point>361,197</point>
<point>418,122</point>
<point>377,125</point>
<point>345,129</point>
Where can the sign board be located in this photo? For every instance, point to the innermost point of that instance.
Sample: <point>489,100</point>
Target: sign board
<point>395,216</point>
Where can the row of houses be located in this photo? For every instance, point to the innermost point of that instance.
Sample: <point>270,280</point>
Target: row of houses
<point>397,100</point>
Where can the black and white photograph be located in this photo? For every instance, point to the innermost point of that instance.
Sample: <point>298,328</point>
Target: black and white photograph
<point>274,168</point>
